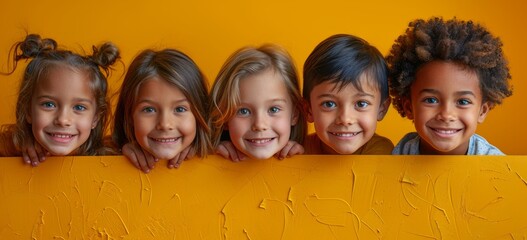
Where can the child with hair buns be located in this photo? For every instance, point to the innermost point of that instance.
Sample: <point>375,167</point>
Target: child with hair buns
<point>62,108</point>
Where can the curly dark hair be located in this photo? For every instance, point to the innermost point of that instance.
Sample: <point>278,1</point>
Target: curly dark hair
<point>462,42</point>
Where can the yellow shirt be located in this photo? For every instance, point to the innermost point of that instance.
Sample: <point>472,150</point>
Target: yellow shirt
<point>378,145</point>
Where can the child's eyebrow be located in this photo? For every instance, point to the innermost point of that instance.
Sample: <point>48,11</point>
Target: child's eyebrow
<point>75,99</point>
<point>461,93</point>
<point>428,90</point>
<point>147,100</point>
<point>325,95</point>
<point>365,94</point>
<point>83,100</point>
<point>270,100</point>
<point>458,93</point>
<point>359,94</point>
<point>278,100</point>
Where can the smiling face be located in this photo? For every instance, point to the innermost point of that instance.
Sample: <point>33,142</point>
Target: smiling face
<point>163,121</point>
<point>63,110</point>
<point>446,106</point>
<point>262,124</point>
<point>345,119</point>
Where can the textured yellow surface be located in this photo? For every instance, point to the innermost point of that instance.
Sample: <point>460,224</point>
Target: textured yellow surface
<point>305,197</point>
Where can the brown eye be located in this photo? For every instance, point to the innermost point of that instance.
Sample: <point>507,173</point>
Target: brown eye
<point>362,104</point>
<point>463,102</point>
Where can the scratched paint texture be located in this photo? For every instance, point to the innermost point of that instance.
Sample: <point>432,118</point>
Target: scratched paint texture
<point>305,197</point>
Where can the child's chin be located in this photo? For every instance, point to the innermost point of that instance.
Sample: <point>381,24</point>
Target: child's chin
<point>165,156</point>
<point>260,156</point>
<point>59,152</point>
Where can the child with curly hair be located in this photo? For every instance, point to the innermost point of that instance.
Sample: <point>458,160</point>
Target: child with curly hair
<point>445,76</point>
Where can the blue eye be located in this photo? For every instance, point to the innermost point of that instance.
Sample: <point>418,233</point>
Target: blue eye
<point>362,104</point>
<point>464,102</point>
<point>148,109</point>
<point>431,100</point>
<point>48,104</point>
<point>79,108</point>
<point>329,104</point>
<point>274,110</point>
<point>180,109</point>
<point>243,111</point>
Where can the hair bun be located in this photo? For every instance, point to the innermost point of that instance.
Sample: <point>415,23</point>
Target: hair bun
<point>106,55</point>
<point>33,45</point>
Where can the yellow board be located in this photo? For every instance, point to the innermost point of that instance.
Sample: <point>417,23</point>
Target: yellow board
<point>210,30</point>
<point>304,197</point>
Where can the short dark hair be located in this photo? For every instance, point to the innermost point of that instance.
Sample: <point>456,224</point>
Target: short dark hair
<point>342,59</point>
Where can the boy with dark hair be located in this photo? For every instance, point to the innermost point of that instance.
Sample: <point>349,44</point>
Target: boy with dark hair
<point>346,91</point>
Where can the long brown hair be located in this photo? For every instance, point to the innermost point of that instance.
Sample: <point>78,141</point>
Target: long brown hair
<point>177,69</point>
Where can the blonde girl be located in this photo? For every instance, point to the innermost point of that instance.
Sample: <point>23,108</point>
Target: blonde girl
<point>256,106</point>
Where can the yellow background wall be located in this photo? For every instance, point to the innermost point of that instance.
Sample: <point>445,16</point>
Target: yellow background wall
<point>209,31</point>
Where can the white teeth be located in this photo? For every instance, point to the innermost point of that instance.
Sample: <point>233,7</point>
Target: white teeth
<point>260,141</point>
<point>345,134</point>
<point>165,140</point>
<point>446,131</point>
<point>61,135</point>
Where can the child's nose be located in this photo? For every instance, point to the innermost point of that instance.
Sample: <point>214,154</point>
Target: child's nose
<point>260,123</point>
<point>447,113</point>
<point>165,121</point>
<point>346,116</point>
<point>63,118</point>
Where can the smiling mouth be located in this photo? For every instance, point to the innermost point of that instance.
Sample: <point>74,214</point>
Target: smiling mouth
<point>445,131</point>
<point>345,134</point>
<point>63,136</point>
<point>166,140</point>
<point>260,140</point>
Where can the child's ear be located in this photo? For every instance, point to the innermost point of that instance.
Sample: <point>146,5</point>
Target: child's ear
<point>383,109</point>
<point>407,108</point>
<point>28,118</point>
<point>294,119</point>
<point>95,121</point>
<point>307,110</point>
<point>485,108</point>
